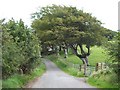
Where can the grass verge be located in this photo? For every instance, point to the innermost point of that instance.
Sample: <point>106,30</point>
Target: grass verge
<point>63,65</point>
<point>18,81</point>
<point>104,79</point>
<point>0,84</point>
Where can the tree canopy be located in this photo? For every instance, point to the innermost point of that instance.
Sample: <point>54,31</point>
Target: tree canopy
<point>58,25</point>
<point>67,24</point>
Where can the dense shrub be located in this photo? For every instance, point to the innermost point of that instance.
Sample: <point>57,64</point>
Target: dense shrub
<point>20,48</point>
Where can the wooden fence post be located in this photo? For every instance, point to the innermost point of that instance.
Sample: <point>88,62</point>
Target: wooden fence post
<point>98,66</point>
<point>103,66</point>
<point>80,67</point>
<point>96,69</point>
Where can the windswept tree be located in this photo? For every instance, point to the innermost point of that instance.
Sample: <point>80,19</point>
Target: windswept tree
<point>59,25</point>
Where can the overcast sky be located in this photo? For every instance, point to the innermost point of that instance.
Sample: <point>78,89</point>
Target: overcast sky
<point>105,10</point>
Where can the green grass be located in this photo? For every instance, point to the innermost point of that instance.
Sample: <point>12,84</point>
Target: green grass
<point>0,84</point>
<point>18,81</point>
<point>103,80</point>
<point>63,65</point>
<point>98,54</point>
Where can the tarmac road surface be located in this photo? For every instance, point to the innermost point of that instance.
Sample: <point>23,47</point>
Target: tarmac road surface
<point>56,78</point>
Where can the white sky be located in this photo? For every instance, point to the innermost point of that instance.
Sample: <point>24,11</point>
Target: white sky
<point>105,10</point>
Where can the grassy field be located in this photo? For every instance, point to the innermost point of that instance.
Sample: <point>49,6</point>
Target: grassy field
<point>98,54</point>
<point>18,81</point>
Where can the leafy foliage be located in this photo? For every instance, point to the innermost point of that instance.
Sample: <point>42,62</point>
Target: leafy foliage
<point>20,48</point>
<point>18,81</point>
<point>113,48</point>
<point>67,24</point>
<point>69,27</point>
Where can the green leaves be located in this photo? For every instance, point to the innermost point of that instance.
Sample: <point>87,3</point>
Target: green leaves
<point>20,46</point>
<point>67,23</point>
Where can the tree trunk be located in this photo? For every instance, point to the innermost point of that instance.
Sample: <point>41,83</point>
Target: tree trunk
<point>57,50</point>
<point>85,69</point>
<point>83,56</point>
<point>65,52</point>
<point>60,49</point>
<point>79,67</point>
<point>85,65</point>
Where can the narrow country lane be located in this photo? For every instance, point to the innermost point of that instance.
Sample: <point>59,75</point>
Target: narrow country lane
<point>55,78</point>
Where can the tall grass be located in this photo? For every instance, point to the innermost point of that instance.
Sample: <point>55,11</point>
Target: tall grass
<point>104,79</point>
<point>18,81</point>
